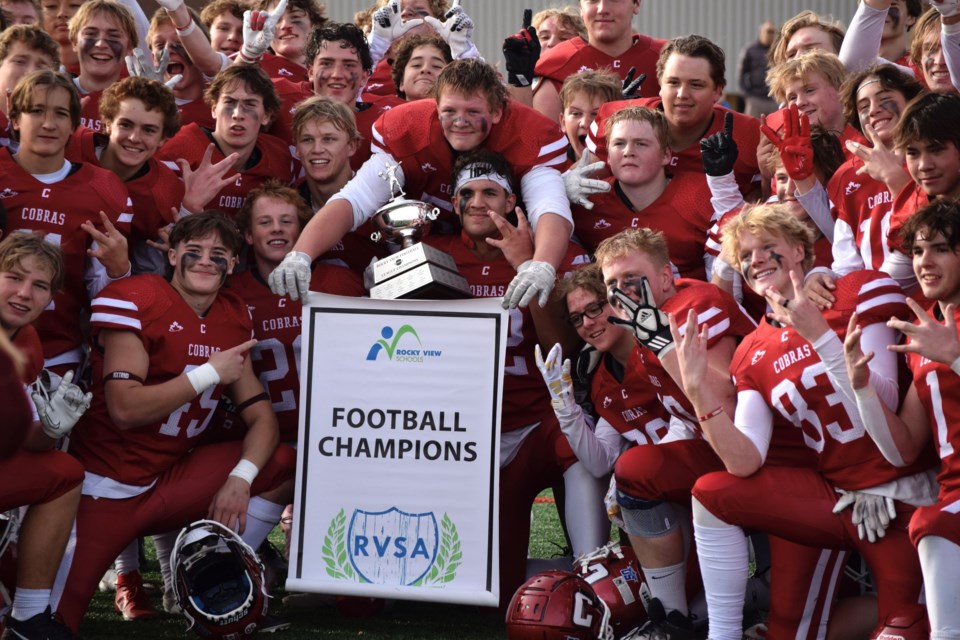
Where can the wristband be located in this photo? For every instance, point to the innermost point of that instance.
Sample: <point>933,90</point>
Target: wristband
<point>955,366</point>
<point>711,415</point>
<point>245,470</point>
<point>186,30</point>
<point>203,377</point>
<point>178,27</point>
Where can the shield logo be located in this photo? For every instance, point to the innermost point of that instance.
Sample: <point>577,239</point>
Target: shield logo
<point>392,547</point>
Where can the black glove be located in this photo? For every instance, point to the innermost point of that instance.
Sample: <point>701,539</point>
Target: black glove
<point>521,51</point>
<point>649,325</point>
<point>719,151</point>
<point>631,87</point>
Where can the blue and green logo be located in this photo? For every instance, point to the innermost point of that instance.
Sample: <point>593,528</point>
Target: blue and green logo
<point>389,344</point>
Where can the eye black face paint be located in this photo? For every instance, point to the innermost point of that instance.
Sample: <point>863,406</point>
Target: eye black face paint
<point>464,201</point>
<point>221,264</point>
<point>87,45</point>
<point>187,260</point>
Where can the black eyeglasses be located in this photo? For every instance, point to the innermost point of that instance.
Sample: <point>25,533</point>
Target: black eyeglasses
<point>590,311</point>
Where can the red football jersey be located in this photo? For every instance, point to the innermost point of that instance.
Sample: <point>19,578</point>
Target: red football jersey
<point>630,404</point>
<point>936,384</point>
<point>682,213</point>
<point>576,55</point>
<point>746,133</point>
<point>380,82</point>
<point>272,159</point>
<point>196,112</point>
<point>719,312</point>
<point>177,340</point>
<point>57,210</point>
<point>525,397</point>
<point>90,110</point>
<point>278,67</point>
<point>153,191</point>
<point>411,133</point>
<point>368,111</point>
<point>28,342</point>
<point>908,201</point>
<point>864,205</point>
<point>276,326</point>
<point>784,368</point>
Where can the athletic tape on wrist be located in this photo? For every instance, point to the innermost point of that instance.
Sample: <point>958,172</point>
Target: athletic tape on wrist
<point>245,470</point>
<point>203,377</point>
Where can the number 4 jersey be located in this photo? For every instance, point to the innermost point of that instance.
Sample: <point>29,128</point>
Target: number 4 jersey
<point>176,339</point>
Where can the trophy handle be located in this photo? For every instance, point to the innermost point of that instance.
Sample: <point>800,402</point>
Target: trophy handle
<point>375,236</point>
<point>433,214</point>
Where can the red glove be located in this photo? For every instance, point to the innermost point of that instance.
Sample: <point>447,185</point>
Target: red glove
<point>795,148</point>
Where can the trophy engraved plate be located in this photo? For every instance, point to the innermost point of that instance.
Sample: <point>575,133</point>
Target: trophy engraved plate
<point>417,270</point>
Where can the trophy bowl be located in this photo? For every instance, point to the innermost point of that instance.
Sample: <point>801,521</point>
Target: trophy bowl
<point>403,221</point>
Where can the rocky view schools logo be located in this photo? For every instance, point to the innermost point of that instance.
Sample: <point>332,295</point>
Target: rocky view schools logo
<point>410,351</point>
<point>392,547</point>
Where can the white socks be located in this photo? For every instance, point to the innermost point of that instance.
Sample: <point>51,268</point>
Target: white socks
<point>29,602</point>
<point>262,517</point>
<point>724,560</point>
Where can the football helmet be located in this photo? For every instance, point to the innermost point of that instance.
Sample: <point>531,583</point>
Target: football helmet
<point>614,574</point>
<point>557,605</point>
<point>907,624</point>
<point>218,581</point>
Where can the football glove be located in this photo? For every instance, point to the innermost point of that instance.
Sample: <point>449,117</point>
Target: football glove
<point>59,409</point>
<point>650,325</point>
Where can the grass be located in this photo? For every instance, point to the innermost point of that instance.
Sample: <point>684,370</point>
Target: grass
<point>404,620</point>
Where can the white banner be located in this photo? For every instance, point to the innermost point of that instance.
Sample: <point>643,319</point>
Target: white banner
<point>398,458</point>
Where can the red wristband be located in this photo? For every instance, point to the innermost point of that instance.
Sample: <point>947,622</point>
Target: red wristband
<point>712,414</point>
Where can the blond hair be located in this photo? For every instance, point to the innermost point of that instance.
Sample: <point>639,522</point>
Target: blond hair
<point>826,64</point>
<point>114,9</point>
<point>651,243</point>
<point>774,219</point>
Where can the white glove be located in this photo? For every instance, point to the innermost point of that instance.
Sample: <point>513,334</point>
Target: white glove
<point>141,66</point>
<point>533,277</point>
<point>292,276</point>
<point>650,325</point>
<point>613,507</point>
<point>388,27</point>
<point>556,373</point>
<point>457,31</point>
<point>170,5</point>
<point>60,411</point>
<point>946,8</point>
<point>579,187</point>
<point>259,28</point>
<point>871,513</point>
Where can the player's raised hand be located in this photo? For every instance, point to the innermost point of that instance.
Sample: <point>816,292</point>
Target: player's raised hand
<point>795,147</point>
<point>109,247</point>
<point>388,26</point>
<point>801,313</point>
<point>579,186</point>
<point>259,28</point>
<point>201,185</point>
<point>521,51</point>
<point>929,337</point>
<point>630,88</point>
<point>650,325</point>
<point>516,242</point>
<point>556,374</point>
<point>59,409</point>
<point>292,277</point>
<point>229,362</point>
<point>818,287</point>
<point>457,31</point>
<point>858,369</point>
<point>140,65</point>
<point>719,151</point>
<point>880,162</point>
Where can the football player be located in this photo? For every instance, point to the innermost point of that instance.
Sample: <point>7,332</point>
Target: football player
<point>31,272</point>
<point>784,395</point>
<point>165,352</point>
<point>79,207</point>
<point>103,34</point>
<point>534,453</point>
<point>22,49</point>
<point>610,42</point>
<point>929,410</point>
<point>244,103</point>
<point>298,20</point>
<point>470,112</point>
<point>56,21</point>
<point>581,96</point>
<point>417,63</point>
<point>224,20</point>
<point>653,482</point>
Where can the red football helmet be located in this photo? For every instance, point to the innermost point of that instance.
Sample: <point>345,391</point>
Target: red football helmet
<point>557,605</point>
<point>218,581</point>
<point>906,624</point>
<point>614,574</point>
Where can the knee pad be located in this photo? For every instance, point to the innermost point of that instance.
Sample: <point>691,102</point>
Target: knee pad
<point>647,518</point>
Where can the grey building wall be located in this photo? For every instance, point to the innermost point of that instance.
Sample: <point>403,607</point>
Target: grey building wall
<point>730,23</point>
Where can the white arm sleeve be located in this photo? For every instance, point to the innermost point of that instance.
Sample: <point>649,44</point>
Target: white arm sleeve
<point>950,41</point>
<point>816,203</point>
<point>861,43</point>
<point>598,449</point>
<point>754,419</point>
<point>724,194</point>
<point>140,20</point>
<point>883,367</point>
<point>846,254</point>
<point>95,276</point>
<point>543,192</point>
<point>367,191</point>
<point>899,266</point>
<point>875,422</point>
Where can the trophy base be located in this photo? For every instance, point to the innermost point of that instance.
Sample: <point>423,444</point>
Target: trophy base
<point>426,282</point>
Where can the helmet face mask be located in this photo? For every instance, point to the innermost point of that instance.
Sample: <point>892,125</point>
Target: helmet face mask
<point>615,576</point>
<point>557,605</point>
<point>218,581</point>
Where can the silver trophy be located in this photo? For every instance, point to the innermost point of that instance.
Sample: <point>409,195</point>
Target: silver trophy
<point>416,270</point>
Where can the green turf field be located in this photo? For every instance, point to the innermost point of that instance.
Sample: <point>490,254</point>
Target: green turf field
<point>403,621</point>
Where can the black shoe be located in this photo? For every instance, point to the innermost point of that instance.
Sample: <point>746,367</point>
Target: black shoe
<point>271,623</point>
<point>42,626</point>
<point>663,626</point>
